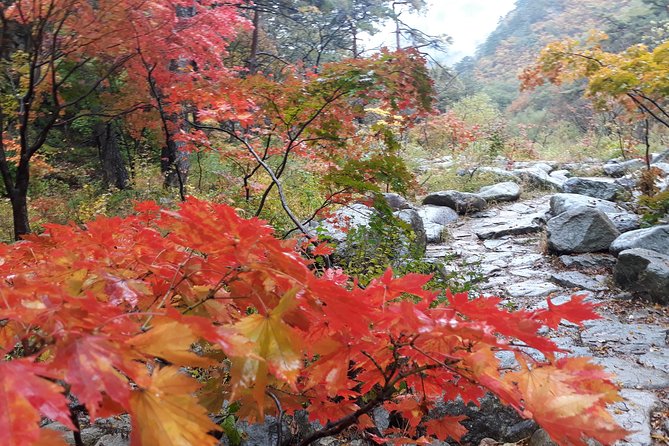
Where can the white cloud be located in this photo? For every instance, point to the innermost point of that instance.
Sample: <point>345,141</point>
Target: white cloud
<point>468,22</point>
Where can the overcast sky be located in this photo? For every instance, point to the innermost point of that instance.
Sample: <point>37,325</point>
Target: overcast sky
<point>468,22</point>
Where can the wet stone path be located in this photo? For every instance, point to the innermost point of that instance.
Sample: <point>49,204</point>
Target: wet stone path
<point>505,245</point>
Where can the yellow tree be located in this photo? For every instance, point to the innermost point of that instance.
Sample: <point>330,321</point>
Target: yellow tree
<point>636,78</point>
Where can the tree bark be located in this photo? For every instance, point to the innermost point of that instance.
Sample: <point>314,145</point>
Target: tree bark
<point>113,166</point>
<point>252,62</point>
<point>18,196</point>
<point>175,165</point>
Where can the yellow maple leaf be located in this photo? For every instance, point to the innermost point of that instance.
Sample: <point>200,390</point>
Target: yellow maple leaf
<point>167,414</point>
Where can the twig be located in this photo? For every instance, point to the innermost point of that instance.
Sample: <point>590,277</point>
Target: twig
<point>279,420</point>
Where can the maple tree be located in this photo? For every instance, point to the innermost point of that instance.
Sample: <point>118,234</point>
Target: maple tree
<point>57,54</point>
<point>108,316</point>
<point>340,124</point>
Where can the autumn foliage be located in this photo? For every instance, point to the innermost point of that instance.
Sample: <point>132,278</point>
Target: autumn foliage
<point>115,315</point>
<point>635,78</point>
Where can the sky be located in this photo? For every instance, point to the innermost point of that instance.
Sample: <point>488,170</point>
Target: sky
<point>468,22</point>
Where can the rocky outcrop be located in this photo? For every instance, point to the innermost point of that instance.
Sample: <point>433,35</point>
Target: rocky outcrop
<point>593,187</point>
<point>461,202</point>
<point>507,191</point>
<point>654,239</point>
<point>644,271</point>
<point>581,229</point>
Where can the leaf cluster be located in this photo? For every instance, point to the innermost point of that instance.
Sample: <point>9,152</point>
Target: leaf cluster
<point>109,315</point>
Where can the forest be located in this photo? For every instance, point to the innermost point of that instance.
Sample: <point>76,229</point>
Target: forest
<point>239,223</point>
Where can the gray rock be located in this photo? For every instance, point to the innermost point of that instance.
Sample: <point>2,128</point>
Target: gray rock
<point>496,230</point>
<point>661,157</point>
<point>113,440</point>
<point>618,169</point>
<point>381,418</point>
<point>499,172</point>
<point>622,338</point>
<point>628,182</point>
<point>262,434</point>
<point>507,191</point>
<point>441,215</point>
<point>657,358</point>
<point>526,260</point>
<point>434,232</point>
<point>412,218</point>
<point>538,178</point>
<point>531,288</point>
<point>644,271</point>
<point>631,375</point>
<point>461,202</point>
<point>625,222</point>
<point>489,420</point>
<point>541,438</point>
<point>634,414</point>
<point>574,279</point>
<point>546,166</point>
<point>563,202</point>
<point>580,230</point>
<point>591,187</point>
<point>588,260</point>
<point>664,167</point>
<point>396,202</point>
<point>655,239</point>
<point>350,216</point>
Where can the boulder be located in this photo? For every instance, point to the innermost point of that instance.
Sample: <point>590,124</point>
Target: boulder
<point>441,215</point>
<point>539,178</point>
<point>654,239</point>
<point>350,216</point>
<point>628,182</point>
<point>661,157</point>
<point>543,165</point>
<point>396,201</point>
<point>625,221</point>
<point>434,232</point>
<point>591,187</point>
<point>575,279</point>
<point>619,168</point>
<point>588,260</point>
<point>664,167</point>
<point>563,202</point>
<point>411,217</point>
<point>496,229</point>
<point>434,220</point>
<point>560,175</point>
<point>461,202</point>
<point>507,191</point>
<point>581,229</point>
<point>644,271</point>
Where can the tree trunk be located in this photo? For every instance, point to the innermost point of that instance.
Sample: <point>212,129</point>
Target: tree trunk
<point>19,200</point>
<point>113,167</point>
<point>252,61</point>
<point>175,165</point>
<point>18,195</point>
